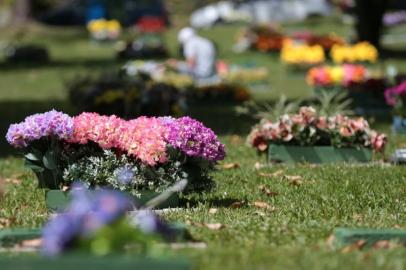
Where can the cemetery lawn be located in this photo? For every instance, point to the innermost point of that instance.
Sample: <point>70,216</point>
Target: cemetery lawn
<point>301,214</point>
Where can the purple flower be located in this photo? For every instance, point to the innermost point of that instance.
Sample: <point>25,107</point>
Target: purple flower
<point>37,126</point>
<point>194,139</point>
<point>125,176</point>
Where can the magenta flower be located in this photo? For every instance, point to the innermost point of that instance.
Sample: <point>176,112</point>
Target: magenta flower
<point>394,93</point>
<point>194,139</point>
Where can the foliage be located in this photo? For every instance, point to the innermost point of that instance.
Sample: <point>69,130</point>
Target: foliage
<point>268,110</point>
<point>333,103</point>
<point>126,174</point>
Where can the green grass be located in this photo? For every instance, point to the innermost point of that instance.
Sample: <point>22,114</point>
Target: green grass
<point>291,237</point>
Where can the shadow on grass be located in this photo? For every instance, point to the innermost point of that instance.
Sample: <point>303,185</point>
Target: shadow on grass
<point>88,63</point>
<point>393,53</point>
<point>213,202</point>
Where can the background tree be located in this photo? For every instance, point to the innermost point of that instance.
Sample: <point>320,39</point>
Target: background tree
<point>369,14</point>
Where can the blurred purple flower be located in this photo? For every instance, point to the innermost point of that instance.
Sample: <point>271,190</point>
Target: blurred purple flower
<point>394,18</point>
<point>110,205</point>
<point>59,233</point>
<point>125,176</point>
<point>148,222</point>
<point>87,213</point>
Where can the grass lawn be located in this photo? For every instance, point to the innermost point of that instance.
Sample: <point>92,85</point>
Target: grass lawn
<point>291,236</point>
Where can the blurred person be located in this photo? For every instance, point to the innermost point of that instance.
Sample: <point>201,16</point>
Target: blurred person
<point>200,55</point>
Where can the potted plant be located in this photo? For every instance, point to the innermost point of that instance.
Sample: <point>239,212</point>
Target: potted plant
<point>139,156</point>
<point>308,137</point>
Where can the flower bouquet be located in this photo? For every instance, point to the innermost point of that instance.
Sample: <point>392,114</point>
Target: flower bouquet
<point>104,30</point>
<point>362,86</point>
<point>222,88</point>
<point>263,38</point>
<point>336,76</point>
<point>143,155</point>
<point>309,137</point>
<point>360,52</point>
<point>144,47</point>
<point>94,229</point>
<point>301,56</point>
<point>128,97</point>
<point>396,98</point>
<point>325,41</point>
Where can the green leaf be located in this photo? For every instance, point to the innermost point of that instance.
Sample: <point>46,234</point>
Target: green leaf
<point>34,167</point>
<point>31,156</point>
<point>34,155</point>
<point>49,160</point>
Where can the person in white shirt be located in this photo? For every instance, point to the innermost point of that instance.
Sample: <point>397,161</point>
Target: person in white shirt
<point>200,55</point>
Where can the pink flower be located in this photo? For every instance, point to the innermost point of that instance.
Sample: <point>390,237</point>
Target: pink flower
<point>322,123</point>
<point>359,124</point>
<point>353,74</point>
<point>378,141</point>
<point>144,138</point>
<point>298,119</point>
<point>308,114</point>
<point>346,131</point>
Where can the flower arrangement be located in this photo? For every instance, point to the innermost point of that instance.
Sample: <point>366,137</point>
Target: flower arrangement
<point>360,52</point>
<point>394,18</point>
<point>238,74</point>
<point>128,97</point>
<point>222,92</point>
<point>143,47</point>
<point>308,128</point>
<point>96,224</point>
<point>326,41</point>
<point>151,153</point>
<point>301,54</point>
<point>228,86</point>
<point>396,98</point>
<point>343,75</point>
<point>102,29</point>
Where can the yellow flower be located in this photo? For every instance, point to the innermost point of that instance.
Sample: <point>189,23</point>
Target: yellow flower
<point>96,25</point>
<point>302,54</point>
<point>336,73</point>
<point>360,52</point>
<point>113,26</point>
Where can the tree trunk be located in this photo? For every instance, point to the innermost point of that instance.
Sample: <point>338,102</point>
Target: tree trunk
<point>21,12</point>
<point>369,20</point>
